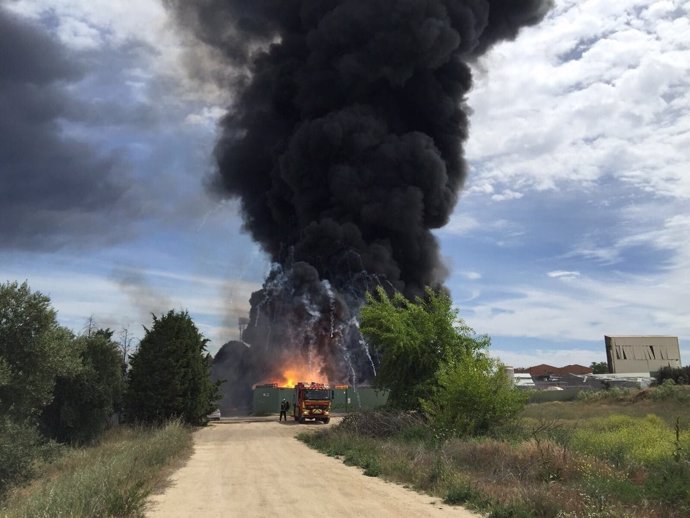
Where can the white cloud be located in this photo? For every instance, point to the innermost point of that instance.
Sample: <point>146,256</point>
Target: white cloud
<point>598,89</point>
<point>459,225</point>
<point>507,194</point>
<point>563,274</point>
<point>471,276</point>
<point>208,116</point>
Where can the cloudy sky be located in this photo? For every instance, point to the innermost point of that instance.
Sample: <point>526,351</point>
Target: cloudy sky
<point>574,222</point>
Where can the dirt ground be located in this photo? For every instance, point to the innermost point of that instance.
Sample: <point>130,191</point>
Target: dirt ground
<point>259,469</point>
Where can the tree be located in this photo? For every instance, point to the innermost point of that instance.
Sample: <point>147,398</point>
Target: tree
<point>413,339</point>
<point>84,402</point>
<point>34,351</point>
<point>169,373</point>
<point>432,360</point>
<point>127,345</point>
<point>599,367</point>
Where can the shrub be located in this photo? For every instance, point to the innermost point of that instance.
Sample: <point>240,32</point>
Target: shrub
<point>20,447</point>
<point>670,390</point>
<point>474,396</point>
<point>613,394</point>
<point>680,376</point>
<point>381,423</point>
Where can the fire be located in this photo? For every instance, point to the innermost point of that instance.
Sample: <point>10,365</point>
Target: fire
<point>293,375</point>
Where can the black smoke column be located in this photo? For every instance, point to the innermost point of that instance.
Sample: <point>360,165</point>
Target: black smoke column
<point>344,146</point>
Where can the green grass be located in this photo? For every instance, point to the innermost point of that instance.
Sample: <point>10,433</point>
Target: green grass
<point>112,479</point>
<point>601,457</point>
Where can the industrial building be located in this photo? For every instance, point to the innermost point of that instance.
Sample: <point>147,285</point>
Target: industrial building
<point>267,398</point>
<point>641,354</point>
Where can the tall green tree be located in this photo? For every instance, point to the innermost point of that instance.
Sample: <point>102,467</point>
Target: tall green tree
<point>84,402</point>
<point>34,351</point>
<point>169,373</point>
<point>414,338</point>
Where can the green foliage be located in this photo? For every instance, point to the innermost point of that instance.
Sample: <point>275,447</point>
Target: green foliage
<point>431,359</point>
<point>20,446</point>
<point>574,460</point>
<point>84,402</point>
<point>112,479</point>
<point>623,439</point>
<point>669,390</point>
<point>169,374</point>
<point>34,351</point>
<point>413,339</point>
<point>614,394</point>
<point>599,367</point>
<point>680,376</point>
<point>460,493</point>
<point>474,395</point>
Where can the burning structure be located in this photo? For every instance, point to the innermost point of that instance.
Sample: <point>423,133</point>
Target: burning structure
<point>344,147</point>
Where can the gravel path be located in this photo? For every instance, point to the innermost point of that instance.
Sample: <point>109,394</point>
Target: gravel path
<point>259,469</point>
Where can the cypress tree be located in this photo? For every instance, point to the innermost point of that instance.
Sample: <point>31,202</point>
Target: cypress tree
<point>169,374</point>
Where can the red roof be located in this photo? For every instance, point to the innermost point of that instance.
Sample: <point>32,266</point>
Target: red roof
<point>544,370</point>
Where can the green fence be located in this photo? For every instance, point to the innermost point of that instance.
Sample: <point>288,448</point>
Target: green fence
<point>267,398</point>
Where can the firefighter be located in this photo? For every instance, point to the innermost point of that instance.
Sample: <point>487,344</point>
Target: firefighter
<point>284,407</point>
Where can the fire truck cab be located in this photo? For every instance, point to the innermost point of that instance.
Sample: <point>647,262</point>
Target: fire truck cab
<point>312,401</point>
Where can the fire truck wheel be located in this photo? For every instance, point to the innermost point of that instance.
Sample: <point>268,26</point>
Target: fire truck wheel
<point>302,420</point>
<point>327,420</point>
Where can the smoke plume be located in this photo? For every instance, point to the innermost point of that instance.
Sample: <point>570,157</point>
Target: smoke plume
<point>344,146</point>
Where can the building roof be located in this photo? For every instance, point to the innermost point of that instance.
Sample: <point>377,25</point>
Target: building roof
<point>545,370</point>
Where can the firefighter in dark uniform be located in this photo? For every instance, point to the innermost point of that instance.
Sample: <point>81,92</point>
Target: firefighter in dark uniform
<point>284,407</point>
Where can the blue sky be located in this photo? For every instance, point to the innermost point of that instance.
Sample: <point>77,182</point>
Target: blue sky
<point>573,223</point>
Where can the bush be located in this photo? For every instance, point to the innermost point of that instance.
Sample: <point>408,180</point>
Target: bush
<point>669,390</point>
<point>20,447</point>
<point>381,423</point>
<point>474,396</point>
<point>680,376</point>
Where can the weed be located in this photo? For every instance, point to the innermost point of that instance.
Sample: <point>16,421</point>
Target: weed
<point>461,493</point>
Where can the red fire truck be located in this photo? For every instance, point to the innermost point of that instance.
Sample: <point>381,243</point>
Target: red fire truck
<point>312,401</point>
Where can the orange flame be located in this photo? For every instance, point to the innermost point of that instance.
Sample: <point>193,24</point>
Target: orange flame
<point>291,376</point>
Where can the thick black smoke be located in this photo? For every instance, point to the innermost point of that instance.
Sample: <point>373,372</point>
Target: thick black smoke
<point>344,146</point>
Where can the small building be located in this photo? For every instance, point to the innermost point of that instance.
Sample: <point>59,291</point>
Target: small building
<point>641,354</point>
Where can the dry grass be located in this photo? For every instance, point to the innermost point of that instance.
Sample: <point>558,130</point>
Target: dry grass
<point>558,462</point>
<point>112,479</point>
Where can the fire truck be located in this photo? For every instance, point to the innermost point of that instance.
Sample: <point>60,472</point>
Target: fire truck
<point>312,401</point>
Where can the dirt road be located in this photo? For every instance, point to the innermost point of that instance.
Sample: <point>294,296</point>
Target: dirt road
<point>260,470</point>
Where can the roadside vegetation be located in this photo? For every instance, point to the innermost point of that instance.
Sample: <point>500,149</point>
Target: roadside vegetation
<point>456,429</point>
<point>63,398</point>
<point>111,479</point>
<point>589,458</point>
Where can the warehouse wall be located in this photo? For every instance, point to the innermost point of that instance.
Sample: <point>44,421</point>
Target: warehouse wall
<point>637,354</point>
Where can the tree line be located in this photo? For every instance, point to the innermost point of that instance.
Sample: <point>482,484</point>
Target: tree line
<point>56,386</point>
